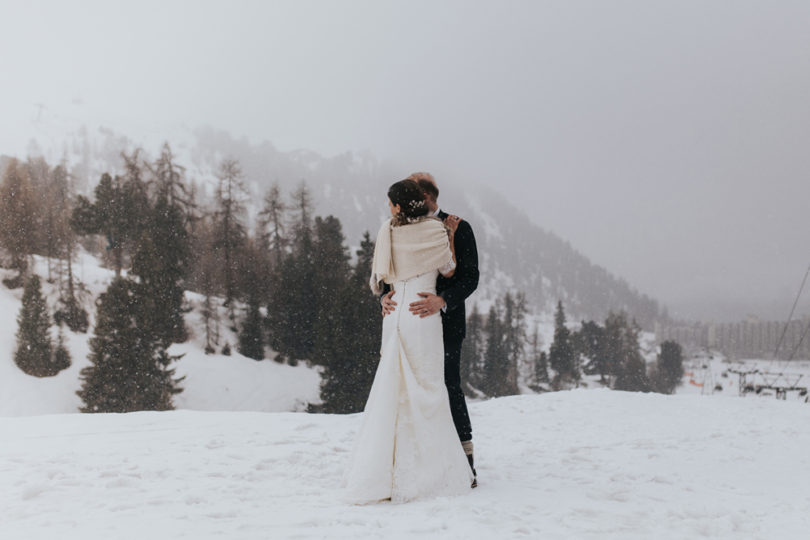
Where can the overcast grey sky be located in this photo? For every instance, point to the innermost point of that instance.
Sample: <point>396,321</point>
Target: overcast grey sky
<point>668,141</point>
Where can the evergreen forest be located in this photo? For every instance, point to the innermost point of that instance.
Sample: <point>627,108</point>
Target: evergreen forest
<point>290,288</point>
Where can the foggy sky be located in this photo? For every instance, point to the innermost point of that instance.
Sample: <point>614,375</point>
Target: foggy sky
<point>668,141</point>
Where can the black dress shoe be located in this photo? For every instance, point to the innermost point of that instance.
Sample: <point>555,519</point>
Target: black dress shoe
<point>475,475</point>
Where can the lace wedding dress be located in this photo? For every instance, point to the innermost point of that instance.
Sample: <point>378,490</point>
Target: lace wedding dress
<point>407,446</point>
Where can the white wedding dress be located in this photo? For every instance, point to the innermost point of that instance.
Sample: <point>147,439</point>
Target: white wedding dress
<point>407,446</point>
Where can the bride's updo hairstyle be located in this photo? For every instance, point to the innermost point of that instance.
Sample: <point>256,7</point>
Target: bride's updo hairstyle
<point>411,200</point>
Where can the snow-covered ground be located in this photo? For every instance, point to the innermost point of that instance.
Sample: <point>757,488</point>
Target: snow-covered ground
<point>213,382</point>
<point>581,464</point>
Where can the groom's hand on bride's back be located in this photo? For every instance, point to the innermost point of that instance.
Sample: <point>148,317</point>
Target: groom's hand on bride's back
<point>388,305</point>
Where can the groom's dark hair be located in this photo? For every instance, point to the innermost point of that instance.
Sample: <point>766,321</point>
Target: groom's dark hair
<point>426,183</point>
<point>429,189</point>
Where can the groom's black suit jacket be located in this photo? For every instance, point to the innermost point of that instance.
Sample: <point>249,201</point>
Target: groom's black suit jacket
<point>457,288</point>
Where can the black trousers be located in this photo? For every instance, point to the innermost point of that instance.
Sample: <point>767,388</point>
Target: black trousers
<point>452,379</point>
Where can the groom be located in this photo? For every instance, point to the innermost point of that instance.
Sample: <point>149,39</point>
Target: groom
<point>451,293</point>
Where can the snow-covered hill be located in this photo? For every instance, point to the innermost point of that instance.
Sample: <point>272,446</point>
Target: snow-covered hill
<point>568,465</point>
<point>213,382</point>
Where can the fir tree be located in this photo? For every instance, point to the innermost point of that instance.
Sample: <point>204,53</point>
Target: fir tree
<point>251,337</point>
<point>71,313</point>
<point>514,320</point>
<point>669,371</point>
<point>209,320</point>
<point>472,351</point>
<point>271,228</point>
<point>331,272</point>
<point>351,348</point>
<point>170,180</point>
<point>561,354</point>
<point>613,346</point>
<point>161,264</point>
<point>539,361</point>
<point>588,342</point>
<point>230,232</point>
<point>301,207</point>
<point>108,216</point>
<point>204,271</point>
<point>136,213</point>
<point>496,356</point>
<point>57,236</point>
<point>632,369</point>
<point>291,313</point>
<point>301,286</point>
<point>34,347</point>
<point>18,217</point>
<point>61,355</point>
<point>61,242</point>
<point>128,370</point>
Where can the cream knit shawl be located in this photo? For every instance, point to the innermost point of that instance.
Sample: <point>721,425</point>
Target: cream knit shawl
<point>407,251</point>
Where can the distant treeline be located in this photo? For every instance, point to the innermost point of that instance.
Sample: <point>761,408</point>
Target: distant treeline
<point>498,350</point>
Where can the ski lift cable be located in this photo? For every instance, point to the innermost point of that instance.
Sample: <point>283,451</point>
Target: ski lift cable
<point>798,345</point>
<point>790,317</point>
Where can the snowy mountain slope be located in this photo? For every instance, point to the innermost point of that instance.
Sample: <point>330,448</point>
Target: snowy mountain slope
<point>580,464</point>
<point>516,253</point>
<point>213,382</point>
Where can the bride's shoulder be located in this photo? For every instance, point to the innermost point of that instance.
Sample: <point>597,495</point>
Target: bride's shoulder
<point>432,221</point>
<point>384,227</point>
<point>435,222</point>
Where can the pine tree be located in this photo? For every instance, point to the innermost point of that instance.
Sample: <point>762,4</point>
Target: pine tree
<point>128,370</point>
<point>60,240</point>
<point>301,207</point>
<point>61,355</point>
<point>108,216</point>
<point>170,180</point>
<point>351,348</point>
<point>299,286</point>
<point>34,347</point>
<point>472,351</point>
<point>71,313</point>
<point>161,264</point>
<point>669,368</point>
<point>211,324</point>
<point>539,361</point>
<point>230,232</point>
<point>331,271</point>
<point>632,370</point>
<point>18,218</point>
<point>514,338</point>
<point>54,204</point>
<point>496,356</point>
<point>204,272</point>
<point>613,345</point>
<point>271,224</point>
<point>136,212</point>
<point>561,353</point>
<point>588,342</point>
<point>291,313</point>
<point>251,336</point>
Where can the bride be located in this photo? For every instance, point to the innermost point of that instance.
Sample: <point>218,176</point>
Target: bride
<point>407,446</point>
